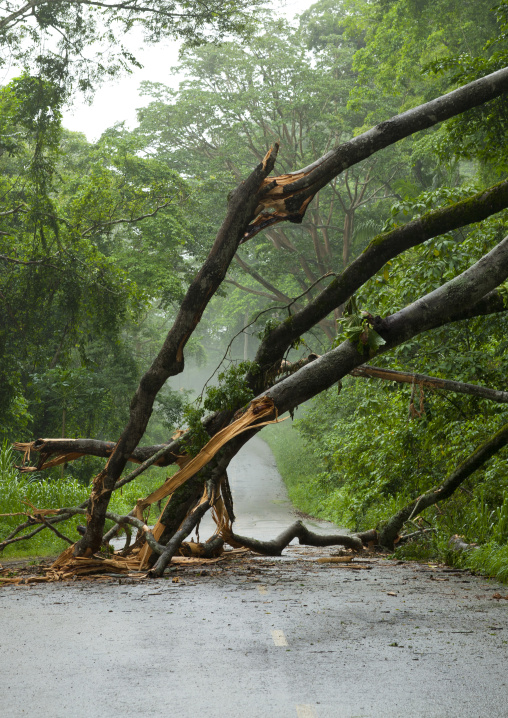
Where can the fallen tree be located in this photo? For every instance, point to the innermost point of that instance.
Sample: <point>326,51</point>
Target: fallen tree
<point>478,458</point>
<point>258,203</point>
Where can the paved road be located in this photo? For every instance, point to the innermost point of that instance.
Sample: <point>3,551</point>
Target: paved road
<point>257,638</point>
<point>261,502</point>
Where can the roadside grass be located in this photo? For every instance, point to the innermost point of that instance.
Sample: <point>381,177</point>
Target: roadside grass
<point>490,560</point>
<point>44,493</point>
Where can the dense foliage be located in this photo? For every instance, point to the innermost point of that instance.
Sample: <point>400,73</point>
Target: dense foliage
<point>76,44</point>
<point>81,283</point>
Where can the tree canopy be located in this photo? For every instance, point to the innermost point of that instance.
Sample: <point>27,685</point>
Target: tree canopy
<point>75,44</point>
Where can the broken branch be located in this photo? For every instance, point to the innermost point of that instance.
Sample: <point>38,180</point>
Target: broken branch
<point>459,387</point>
<point>389,533</point>
<point>304,536</point>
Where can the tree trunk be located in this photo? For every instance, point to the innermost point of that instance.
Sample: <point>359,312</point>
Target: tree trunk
<point>242,208</point>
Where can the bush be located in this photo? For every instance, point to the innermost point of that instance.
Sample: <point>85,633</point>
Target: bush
<point>490,560</point>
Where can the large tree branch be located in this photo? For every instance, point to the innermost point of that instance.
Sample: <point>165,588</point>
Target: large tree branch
<point>304,536</point>
<point>459,387</point>
<point>477,459</point>
<point>381,249</point>
<point>435,309</point>
<point>71,449</point>
<point>288,196</point>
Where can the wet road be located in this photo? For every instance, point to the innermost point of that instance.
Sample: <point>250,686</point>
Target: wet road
<point>256,637</point>
<point>260,498</point>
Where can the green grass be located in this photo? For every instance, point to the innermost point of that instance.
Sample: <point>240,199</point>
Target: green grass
<point>490,560</point>
<point>43,493</point>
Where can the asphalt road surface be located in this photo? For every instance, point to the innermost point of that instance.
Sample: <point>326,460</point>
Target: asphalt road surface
<point>259,638</point>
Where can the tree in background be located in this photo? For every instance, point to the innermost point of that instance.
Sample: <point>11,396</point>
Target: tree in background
<point>68,210</point>
<point>76,269</point>
<point>76,45</point>
<point>237,101</point>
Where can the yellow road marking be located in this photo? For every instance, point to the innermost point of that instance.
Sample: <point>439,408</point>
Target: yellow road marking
<point>279,638</point>
<point>305,711</point>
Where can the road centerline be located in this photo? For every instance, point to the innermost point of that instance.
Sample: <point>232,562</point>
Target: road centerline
<point>279,638</point>
<point>305,711</point>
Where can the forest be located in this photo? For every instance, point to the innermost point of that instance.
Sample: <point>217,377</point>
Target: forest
<point>314,222</point>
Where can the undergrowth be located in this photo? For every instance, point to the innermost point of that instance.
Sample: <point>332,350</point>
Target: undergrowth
<point>45,493</point>
<point>490,559</point>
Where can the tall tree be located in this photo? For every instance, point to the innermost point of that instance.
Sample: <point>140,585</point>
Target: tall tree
<point>70,233</point>
<point>269,90</point>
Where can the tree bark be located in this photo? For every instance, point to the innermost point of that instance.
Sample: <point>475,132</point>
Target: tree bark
<point>212,476</point>
<point>181,503</point>
<point>373,372</point>
<point>304,536</point>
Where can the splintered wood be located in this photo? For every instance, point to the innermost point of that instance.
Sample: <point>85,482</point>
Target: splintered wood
<point>258,410</point>
<point>70,568</point>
